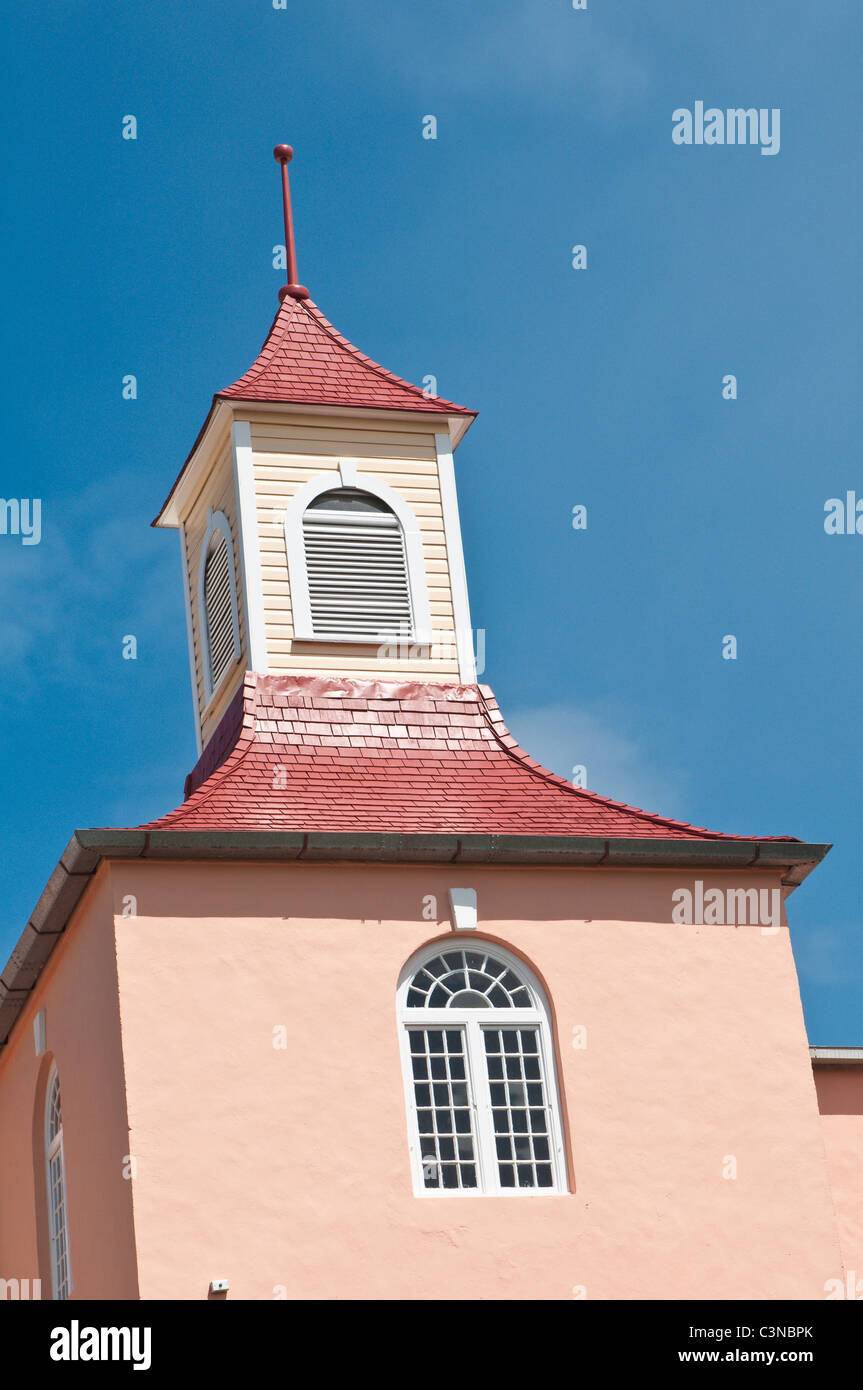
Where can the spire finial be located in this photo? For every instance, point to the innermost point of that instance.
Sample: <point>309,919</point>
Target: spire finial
<point>284,154</point>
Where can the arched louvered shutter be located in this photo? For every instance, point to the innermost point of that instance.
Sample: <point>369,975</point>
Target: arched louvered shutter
<point>356,568</point>
<point>218,607</point>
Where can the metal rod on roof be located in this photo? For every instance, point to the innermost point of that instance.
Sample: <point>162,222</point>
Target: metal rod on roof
<point>284,154</point>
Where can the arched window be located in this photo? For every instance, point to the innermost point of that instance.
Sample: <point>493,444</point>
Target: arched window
<point>355,561</point>
<point>217,602</point>
<point>483,1114</point>
<point>356,567</point>
<point>55,1167</point>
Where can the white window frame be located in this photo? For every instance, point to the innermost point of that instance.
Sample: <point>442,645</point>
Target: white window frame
<point>54,1149</point>
<point>217,521</point>
<point>296,553</point>
<point>473,1021</point>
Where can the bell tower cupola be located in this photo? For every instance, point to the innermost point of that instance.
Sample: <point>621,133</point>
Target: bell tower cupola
<point>318,518</point>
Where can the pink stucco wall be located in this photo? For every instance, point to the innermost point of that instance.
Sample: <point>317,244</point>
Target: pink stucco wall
<point>78,991</point>
<point>288,1169</point>
<point>840,1098</point>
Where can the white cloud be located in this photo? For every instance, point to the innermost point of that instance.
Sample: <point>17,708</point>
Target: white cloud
<point>97,573</point>
<point>563,736</point>
<point>526,46</point>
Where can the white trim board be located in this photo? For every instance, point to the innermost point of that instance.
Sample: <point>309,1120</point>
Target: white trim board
<point>190,634</point>
<point>455,557</point>
<point>250,547</point>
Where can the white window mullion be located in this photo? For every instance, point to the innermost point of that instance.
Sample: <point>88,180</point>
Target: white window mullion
<point>485,1119</point>
<point>549,1077</point>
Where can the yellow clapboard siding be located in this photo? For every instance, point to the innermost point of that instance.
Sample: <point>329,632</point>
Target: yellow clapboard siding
<point>358,436</point>
<point>292,416</point>
<point>275,484</point>
<point>319,427</point>
<point>344,665</point>
<point>347,447</point>
<point>375,449</point>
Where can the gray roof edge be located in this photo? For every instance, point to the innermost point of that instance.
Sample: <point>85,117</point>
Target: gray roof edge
<point>837,1056</point>
<point>87,848</point>
<point>46,924</point>
<point>447,846</point>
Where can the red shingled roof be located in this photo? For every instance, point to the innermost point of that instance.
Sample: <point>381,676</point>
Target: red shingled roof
<point>305,360</point>
<point>311,753</point>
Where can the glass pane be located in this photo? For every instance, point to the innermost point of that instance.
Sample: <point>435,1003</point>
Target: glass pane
<point>468,999</point>
<point>521,1133</point>
<point>348,500</point>
<point>444,1110</point>
<point>457,970</point>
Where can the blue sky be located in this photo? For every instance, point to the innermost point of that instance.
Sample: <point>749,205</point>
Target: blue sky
<point>452,257</point>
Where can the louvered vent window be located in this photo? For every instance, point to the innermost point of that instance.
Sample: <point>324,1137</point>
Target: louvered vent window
<point>356,567</point>
<point>218,607</point>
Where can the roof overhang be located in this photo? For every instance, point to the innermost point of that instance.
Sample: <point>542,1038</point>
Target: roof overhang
<point>89,848</point>
<point>224,410</point>
<point>836,1056</point>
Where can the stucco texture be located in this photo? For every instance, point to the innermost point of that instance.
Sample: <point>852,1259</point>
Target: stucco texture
<point>286,1170</point>
<point>78,991</point>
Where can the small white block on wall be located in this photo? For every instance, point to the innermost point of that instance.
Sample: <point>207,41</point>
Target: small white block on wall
<point>40,1034</point>
<point>462,906</point>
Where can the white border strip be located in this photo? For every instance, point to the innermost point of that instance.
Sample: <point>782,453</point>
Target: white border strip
<point>193,668</point>
<point>250,547</point>
<point>455,555</point>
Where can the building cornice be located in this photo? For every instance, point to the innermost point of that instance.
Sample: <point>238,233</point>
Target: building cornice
<point>87,849</point>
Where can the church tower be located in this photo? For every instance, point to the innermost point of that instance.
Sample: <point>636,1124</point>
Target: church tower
<point>318,518</point>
